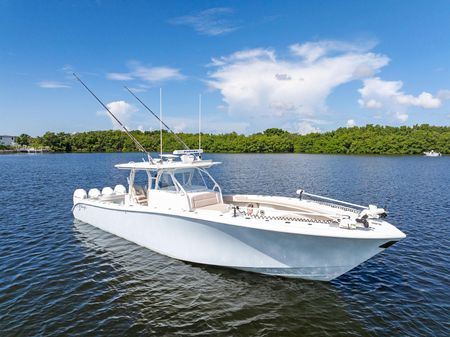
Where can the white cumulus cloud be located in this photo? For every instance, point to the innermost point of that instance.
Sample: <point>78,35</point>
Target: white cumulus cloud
<point>259,84</point>
<point>401,116</point>
<point>351,123</point>
<point>371,104</point>
<point>377,93</point>
<point>122,110</point>
<point>424,100</point>
<point>305,127</point>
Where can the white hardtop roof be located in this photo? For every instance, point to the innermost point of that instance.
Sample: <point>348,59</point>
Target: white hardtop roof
<point>145,165</point>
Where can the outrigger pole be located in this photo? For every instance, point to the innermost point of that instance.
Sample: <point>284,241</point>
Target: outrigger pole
<point>135,141</point>
<point>160,120</point>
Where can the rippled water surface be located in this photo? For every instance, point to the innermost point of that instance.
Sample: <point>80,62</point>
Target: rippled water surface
<point>62,277</point>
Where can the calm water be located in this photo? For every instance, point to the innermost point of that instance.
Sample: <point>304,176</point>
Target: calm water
<point>62,277</point>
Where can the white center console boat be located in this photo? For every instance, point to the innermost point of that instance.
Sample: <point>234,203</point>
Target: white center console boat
<point>180,212</point>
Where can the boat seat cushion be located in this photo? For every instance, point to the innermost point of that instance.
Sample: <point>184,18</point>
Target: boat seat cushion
<point>223,208</point>
<point>204,199</point>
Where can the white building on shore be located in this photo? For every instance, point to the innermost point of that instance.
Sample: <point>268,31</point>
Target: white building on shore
<point>8,140</point>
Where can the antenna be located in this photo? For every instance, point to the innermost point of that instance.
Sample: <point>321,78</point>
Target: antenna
<point>135,141</point>
<point>199,121</point>
<point>160,119</point>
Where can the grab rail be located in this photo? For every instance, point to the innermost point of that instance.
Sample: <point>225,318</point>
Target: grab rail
<point>301,192</point>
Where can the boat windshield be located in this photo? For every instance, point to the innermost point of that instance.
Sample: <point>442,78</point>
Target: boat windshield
<point>193,180</point>
<point>165,182</point>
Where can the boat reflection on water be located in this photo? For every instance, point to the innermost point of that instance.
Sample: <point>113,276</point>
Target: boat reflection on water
<point>158,294</point>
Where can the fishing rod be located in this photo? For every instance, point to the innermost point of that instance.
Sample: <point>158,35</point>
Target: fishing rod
<point>156,116</point>
<point>135,141</point>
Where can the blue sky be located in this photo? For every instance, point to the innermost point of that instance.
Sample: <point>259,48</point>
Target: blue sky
<point>299,65</point>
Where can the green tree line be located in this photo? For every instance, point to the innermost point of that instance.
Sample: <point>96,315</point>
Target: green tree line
<point>369,139</point>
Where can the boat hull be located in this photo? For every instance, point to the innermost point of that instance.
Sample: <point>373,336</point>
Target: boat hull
<point>219,244</point>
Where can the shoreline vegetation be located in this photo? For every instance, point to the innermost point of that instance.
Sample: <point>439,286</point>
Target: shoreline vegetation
<point>369,139</point>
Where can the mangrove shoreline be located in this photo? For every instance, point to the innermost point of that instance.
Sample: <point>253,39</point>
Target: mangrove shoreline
<point>369,139</point>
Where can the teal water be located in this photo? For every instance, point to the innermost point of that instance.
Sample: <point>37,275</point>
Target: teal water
<point>60,277</point>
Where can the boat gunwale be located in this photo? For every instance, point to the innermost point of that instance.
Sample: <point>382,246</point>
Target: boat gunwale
<point>286,227</point>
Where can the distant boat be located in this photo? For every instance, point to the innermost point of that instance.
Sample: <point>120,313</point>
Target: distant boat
<point>432,153</point>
